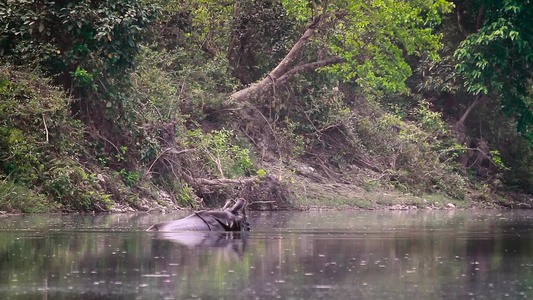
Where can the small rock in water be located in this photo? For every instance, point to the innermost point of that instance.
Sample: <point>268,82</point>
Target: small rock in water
<point>450,205</point>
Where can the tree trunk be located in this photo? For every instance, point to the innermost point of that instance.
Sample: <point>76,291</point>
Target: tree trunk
<point>477,101</point>
<point>460,130</point>
<point>283,71</point>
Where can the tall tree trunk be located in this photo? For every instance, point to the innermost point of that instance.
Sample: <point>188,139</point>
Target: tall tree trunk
<point>477,101</point>
<point>460,129</point>
<point>460,125</point>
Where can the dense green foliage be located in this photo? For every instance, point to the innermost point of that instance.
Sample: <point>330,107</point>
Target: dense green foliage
<point>497,59</point>
<point>81,40</point>
<point>40,146</point>
<point>483,85</point>
<point>140,97</point>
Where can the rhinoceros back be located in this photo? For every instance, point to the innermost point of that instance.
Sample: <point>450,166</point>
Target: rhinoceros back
<point>191,223</point>
<point>227,220</point>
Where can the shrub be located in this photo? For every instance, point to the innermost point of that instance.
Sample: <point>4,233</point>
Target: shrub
<point>217,150</point>
<point>39,147</point>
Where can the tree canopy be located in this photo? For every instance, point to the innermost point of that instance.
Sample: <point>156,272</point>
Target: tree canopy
<point>361,41</point>
<point>74,40</point>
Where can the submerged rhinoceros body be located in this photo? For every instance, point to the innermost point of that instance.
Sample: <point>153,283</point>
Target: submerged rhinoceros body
<point>226,220</point>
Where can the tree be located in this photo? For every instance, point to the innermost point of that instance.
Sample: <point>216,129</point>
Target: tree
<point>75,41</point>
<point>362,41</point>
<point>260,32</point>
<point>495,59</point>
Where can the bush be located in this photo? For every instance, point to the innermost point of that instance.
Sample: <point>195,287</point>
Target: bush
<point>216,150</point>
<point>15,197</point>
<point>39,147</point>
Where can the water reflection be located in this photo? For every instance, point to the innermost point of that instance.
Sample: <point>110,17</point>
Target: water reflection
<point>288,255</point>
<point>231,244</point>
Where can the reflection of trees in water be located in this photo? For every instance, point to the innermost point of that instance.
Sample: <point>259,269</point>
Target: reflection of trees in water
<point>269,220</point>
<point>287,253</point>
<point>447,253</point>
<point>134,221</point>
<point>231,244</point>
<point>197,259</point>
<point>500,250</point>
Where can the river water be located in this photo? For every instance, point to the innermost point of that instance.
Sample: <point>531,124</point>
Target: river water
<point>453,254</point>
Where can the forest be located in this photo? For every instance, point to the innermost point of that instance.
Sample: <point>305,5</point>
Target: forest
<point>126,105</point>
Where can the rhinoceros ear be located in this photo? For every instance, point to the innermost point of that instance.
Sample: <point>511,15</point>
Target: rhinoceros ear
<point>239,204</point>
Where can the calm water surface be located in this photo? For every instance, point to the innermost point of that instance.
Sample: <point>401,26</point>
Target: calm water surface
<point>287,255</point>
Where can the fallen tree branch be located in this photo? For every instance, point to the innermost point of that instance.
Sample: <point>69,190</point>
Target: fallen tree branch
<point>261,202</point>
<point>334,125</point>
<point>225,181</point>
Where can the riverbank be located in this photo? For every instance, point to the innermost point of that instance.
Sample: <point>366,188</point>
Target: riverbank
<point>304,195</point>
<point>65,165</point>
<point>307,189</point>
